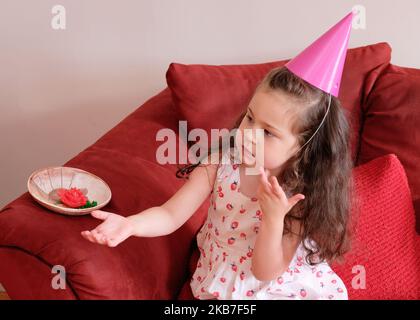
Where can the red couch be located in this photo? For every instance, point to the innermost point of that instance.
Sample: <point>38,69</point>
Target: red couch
<point>33,239</point>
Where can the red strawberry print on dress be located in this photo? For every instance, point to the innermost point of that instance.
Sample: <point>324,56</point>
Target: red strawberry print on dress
<point>234,267</point>
<point>224,256</point>
<point>249,293</point>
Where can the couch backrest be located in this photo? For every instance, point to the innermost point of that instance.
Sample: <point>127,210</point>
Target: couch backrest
<point>210,96</point>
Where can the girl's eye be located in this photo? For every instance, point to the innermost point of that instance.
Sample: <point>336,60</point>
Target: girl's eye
<point>268,133</point>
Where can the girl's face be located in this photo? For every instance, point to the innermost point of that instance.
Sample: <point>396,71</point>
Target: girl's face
<point>274,113</point>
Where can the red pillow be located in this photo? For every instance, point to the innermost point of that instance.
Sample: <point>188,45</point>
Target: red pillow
<point>214,96</point>
<point>392,117</point>
<point>384,240</point>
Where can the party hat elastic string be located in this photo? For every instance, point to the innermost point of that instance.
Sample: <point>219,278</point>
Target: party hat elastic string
<point>323,119</point>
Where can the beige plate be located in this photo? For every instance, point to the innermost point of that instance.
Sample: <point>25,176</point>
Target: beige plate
<point>42,181</point>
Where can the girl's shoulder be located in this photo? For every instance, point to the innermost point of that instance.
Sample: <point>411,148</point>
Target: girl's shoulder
<point>225,167</point>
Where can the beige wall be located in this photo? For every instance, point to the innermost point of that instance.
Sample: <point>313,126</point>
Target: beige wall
<point>60,90</point>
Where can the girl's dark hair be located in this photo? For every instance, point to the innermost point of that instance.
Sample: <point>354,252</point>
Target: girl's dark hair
<point>321,170</point>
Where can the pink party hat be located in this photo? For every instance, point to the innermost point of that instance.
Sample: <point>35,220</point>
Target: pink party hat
<point>321,64</point>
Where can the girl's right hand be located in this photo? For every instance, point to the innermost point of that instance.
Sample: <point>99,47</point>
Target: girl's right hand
<point>114,230</point>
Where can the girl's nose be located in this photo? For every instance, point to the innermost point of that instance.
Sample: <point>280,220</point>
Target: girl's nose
<point>248,142</point>
<point>248,136</point>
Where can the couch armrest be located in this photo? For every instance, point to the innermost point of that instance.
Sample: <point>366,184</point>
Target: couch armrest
<point>139,268</point>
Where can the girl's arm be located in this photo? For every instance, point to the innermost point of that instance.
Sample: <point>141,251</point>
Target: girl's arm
<point>159,220</point>
<point>179,208</point>
<point>273,252</point>
<point>272,255</point>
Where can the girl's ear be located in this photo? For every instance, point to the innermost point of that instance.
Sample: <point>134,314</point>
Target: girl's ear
<point>296,146</point>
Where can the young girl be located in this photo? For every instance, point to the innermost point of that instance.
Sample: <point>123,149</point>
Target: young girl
<point>258,242</point>
<point>272,235</point>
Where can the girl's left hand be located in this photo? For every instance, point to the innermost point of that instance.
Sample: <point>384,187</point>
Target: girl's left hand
<point>272,199</point>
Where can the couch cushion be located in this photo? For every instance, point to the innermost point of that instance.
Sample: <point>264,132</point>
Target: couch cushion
<point>392,118</point>
<point>209,96</point>
<point>384,241</point>
<point>26,277</point>
<point>139,268</point>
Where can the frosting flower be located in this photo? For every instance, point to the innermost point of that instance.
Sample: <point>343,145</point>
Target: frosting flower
<point>73,198</point>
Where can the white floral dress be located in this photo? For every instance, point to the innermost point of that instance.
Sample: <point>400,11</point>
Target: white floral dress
<point>226,242</point>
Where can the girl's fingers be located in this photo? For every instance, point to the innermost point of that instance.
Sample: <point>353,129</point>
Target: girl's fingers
<point>95,234</point>
<point>295,199</point>
<point>278,190</point>
<point>264,180</point>
<point>116,238</point>
<point>100,238</point>
<point>88,236</point>
<point>111,242</point>
<point>100,228</point>
<point>85,234</point>
<point>276,186</point>
<point>263,175</point>
<point>104,239</point>
<point>99,214</point>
